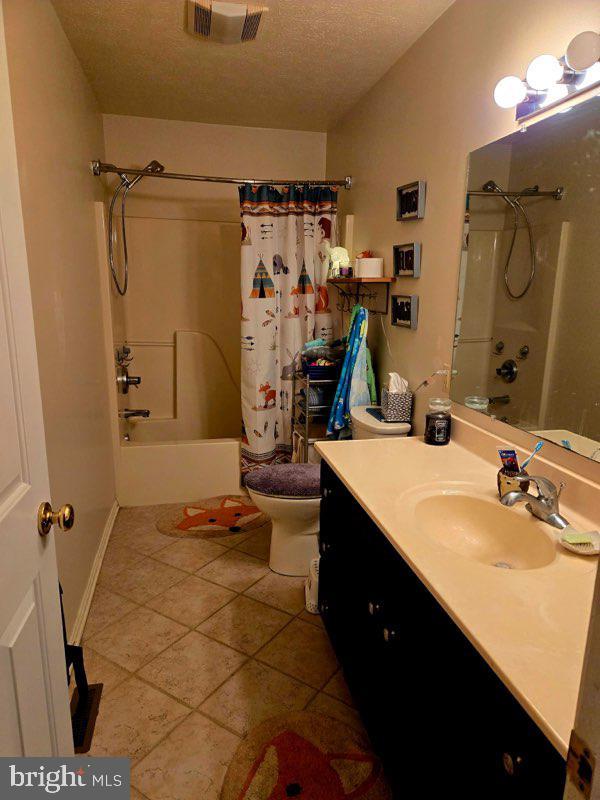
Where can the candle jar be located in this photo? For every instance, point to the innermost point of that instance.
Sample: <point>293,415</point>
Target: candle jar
<point>438,422</point>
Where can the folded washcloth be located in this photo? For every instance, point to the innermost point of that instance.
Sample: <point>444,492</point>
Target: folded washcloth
<point>314,343</point>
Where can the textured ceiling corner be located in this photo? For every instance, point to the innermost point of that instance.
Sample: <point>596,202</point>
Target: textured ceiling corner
<point>312,61</point>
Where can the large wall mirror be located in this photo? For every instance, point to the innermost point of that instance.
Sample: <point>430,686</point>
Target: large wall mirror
<point>527,339</point>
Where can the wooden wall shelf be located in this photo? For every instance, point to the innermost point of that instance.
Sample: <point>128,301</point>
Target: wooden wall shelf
<point>343,279</point>
<point>355,290</point>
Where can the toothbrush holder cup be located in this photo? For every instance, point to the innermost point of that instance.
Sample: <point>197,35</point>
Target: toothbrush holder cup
<point>511,482</point>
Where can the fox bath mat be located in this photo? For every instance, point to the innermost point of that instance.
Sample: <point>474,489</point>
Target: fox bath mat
<point>212,517</point>
<point>305,756</point>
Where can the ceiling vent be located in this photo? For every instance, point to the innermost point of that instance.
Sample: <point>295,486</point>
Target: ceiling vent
<point>228,23</point>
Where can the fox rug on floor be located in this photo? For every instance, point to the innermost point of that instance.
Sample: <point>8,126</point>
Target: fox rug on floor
<point>304,755</point>
<point>212,517</point>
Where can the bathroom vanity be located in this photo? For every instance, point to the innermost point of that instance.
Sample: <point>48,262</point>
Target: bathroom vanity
<point>463,651</point>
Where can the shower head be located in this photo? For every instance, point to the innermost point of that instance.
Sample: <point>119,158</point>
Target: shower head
<point>153,167</point>
<point>530,190</point>
<point>491,186</point>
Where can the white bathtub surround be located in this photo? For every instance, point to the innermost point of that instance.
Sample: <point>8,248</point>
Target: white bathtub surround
<point>170,470</point>
<point>152,473</point>
<point>201,400</point>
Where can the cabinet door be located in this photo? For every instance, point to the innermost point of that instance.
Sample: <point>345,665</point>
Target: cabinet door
<point>438,716</point>
<point>522,760</point>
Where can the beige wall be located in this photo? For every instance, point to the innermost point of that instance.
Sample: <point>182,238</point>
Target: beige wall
<point>184,246</point>
<point>420,122</point>
<point>58,130</point>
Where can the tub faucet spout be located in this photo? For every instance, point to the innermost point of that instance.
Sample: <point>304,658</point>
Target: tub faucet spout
<point>129,413</point>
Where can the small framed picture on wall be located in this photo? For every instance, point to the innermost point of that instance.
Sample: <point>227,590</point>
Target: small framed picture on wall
<point>407,260</point>
<point>405,310</point>
<point>410,201</point>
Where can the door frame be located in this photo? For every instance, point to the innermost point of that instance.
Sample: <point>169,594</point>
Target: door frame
<point>16,296</point>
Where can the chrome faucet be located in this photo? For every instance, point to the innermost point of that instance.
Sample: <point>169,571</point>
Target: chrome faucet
<point>544,506</point>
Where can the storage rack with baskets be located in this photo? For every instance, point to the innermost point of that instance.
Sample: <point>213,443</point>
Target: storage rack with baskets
<point>311,413</point>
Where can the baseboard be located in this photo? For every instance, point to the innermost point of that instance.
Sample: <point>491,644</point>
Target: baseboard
<point>86,601</point>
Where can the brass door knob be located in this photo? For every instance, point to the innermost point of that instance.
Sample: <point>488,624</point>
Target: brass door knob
<point>64,518</point>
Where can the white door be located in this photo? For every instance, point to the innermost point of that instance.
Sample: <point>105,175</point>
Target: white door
<point>34,713</point>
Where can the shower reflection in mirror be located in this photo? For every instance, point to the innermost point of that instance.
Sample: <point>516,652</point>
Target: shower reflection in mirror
<point>527,332</point>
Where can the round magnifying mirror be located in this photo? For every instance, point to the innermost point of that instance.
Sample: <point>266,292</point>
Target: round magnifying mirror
<point>583,51</point>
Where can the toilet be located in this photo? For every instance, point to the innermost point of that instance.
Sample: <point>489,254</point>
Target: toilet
<point>368,423</point>
<point>291,495</point>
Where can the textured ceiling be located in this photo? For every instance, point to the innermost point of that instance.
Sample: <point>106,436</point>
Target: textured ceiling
<point>312,61</point>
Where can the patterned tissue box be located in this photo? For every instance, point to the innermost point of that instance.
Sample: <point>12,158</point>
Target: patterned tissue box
<point>395,406</point>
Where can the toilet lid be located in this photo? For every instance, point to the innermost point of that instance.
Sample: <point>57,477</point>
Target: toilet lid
<point>286,480</point>
<point>361,418</point>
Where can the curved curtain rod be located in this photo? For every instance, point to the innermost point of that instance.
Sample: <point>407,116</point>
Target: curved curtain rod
<point>99,167</point>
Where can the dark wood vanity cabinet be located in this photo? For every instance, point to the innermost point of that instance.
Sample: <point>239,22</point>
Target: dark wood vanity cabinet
<point>440,719</point>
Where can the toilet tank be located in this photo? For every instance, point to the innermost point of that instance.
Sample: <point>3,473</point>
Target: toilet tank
<point>366,426</point>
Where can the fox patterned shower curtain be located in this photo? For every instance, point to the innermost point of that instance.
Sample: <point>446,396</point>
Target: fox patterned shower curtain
<point>285,303</point>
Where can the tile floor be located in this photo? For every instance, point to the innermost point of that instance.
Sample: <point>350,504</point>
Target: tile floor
<point>197,642</point>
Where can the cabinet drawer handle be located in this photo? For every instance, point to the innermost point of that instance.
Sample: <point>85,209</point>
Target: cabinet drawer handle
<point>326,492</point>
<point>512,764</point>
<point>390,635</point>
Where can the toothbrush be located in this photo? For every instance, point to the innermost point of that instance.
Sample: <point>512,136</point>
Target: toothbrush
<point>536,450</point>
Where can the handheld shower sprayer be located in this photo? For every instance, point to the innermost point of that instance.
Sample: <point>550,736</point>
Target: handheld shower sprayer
<point>125,186</point>
<point>515,203</point>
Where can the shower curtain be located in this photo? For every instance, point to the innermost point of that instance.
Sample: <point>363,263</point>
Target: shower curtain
<point>285,303</point>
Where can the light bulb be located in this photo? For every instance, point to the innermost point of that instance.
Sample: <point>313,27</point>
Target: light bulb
<point>554,94</point>
<point>591,76</point>
<point>509,92</point>
<point>583,51</point>
<point>543,72</point>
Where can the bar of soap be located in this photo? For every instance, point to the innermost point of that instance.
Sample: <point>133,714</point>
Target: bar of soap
<point>574,537</point>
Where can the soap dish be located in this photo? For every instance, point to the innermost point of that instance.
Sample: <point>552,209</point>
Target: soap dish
<point>591,548</point>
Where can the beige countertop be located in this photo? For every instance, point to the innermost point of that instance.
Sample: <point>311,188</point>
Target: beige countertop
<point>530,625</point>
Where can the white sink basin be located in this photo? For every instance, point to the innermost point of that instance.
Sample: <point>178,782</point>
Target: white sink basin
<point>485,531</point>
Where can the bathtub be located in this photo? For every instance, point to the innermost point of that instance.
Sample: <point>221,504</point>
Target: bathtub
<point>151,473</point>
<point>192,450</point>
<point>191,454</point>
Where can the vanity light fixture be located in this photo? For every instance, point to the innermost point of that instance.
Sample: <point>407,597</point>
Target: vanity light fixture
<point>583,51</point>
<point>543,72</point>
<point>592,76</point>
<point>550,80</point>
<point>510,91</point>
<point>554,95</point>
